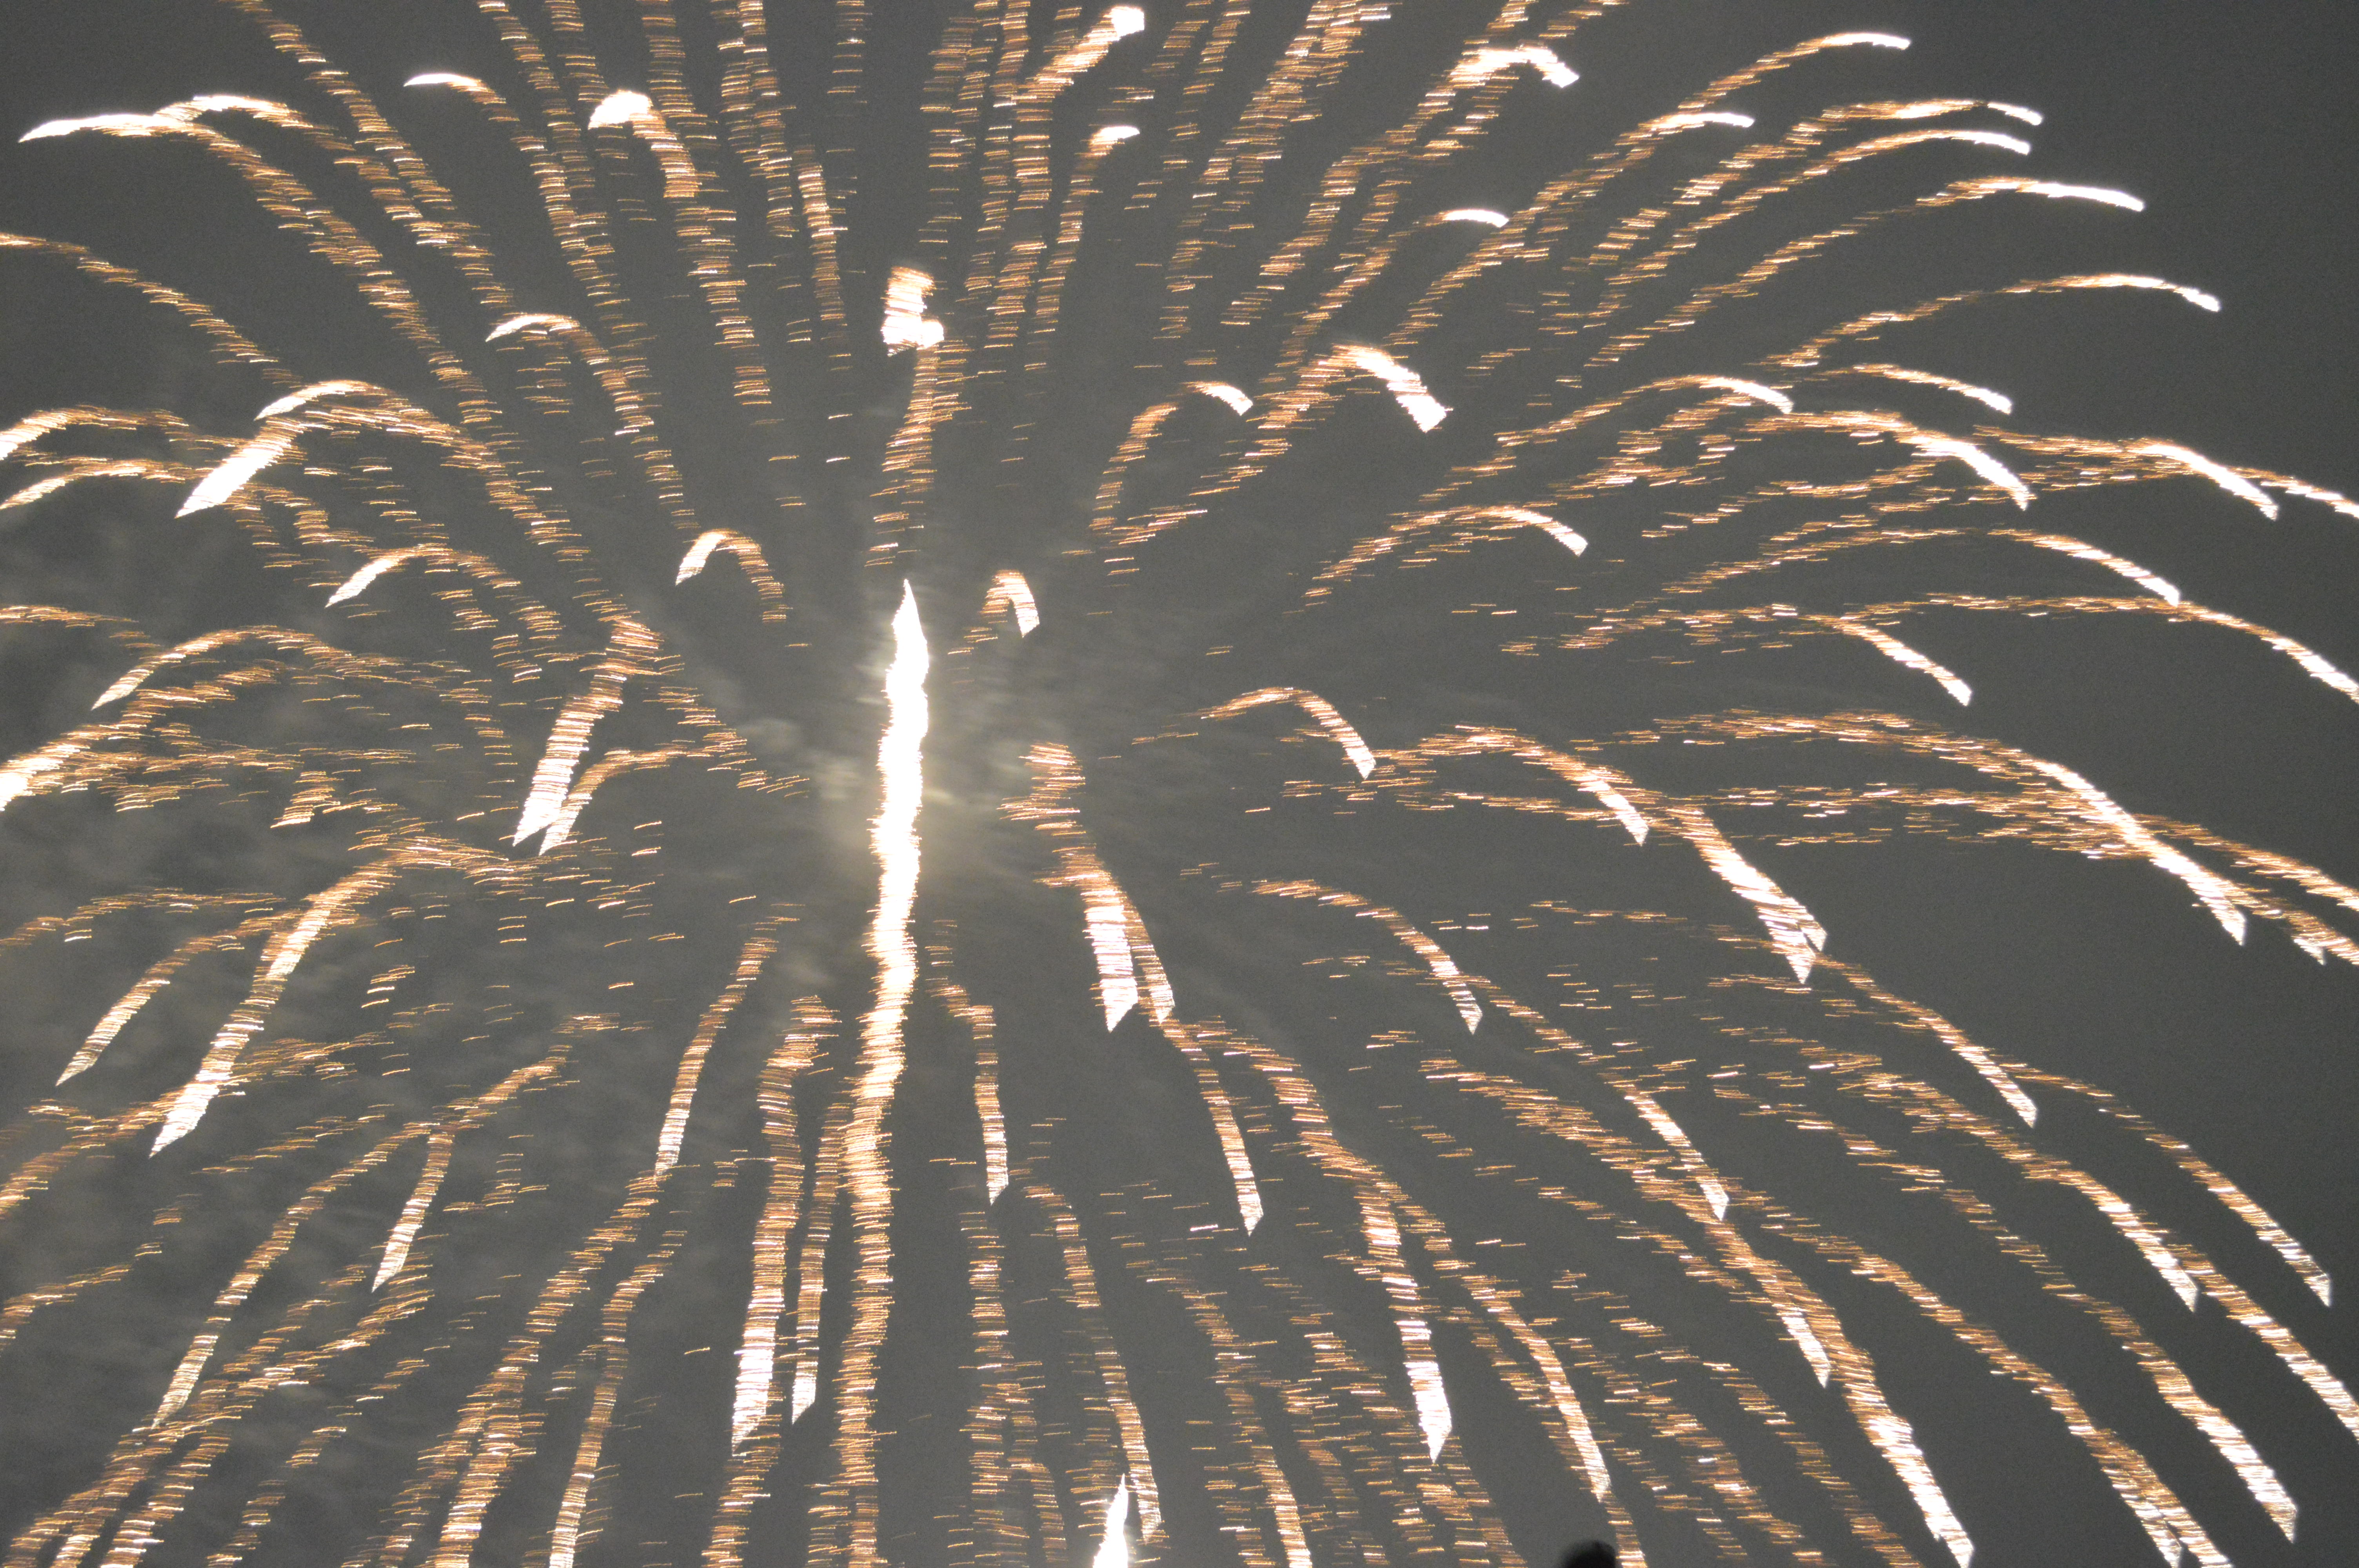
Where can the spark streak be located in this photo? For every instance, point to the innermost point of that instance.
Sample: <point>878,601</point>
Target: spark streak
<point>893,837</point>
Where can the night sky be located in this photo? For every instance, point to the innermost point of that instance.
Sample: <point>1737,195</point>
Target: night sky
<point>2235,122</point>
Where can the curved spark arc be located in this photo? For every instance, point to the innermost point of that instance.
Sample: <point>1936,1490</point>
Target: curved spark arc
<point>1232,1290</point>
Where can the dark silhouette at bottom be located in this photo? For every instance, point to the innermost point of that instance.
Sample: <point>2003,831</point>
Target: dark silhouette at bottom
<point>1589,1554</point>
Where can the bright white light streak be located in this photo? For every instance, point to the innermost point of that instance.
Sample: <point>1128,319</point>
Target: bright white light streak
<point>1125,20</point>
<point>1602,784</point>
<point>553,779</point>
<point>414,1211</point>
<point>2018,112</point>
<point>901,761</point>
<point>1938,445</point>
<point>1407,387</point>
<point>893,839</point>
<point>1925,109</point>
<point>1867,40</point>
<point>906,322</point>
<point>621,107</point>
<point>117,125</point>
<point>2313,661</point>
<point>1706,1180</point>
<point>1554,71</point>
<point>1539,57</point>
<point>2216,894</point>
<point>2226,478</point>
<point>2195,296</point>
<point>1543,522</point>
<point>368,574</point>
<point>1900,653</point>
<point>1425,1385</point>
<point>634,111</point>
<point>445,79</point>
<point>532,319</point>
<point>1483,215</point>
<point>1364,761</point>
<point>2098,193</point>
<point>285,951</point>
<point>1793,930</point>
<point>1111,135</point>
<point>1752,389</point>
<point>303,395</point>
<point>19,776</point>
<point>1966,452</point>
<point>132,679</point>
<point>756,1363</point>
<point>2338,501</point>
<point>1010,588</point>
<point>1568,1408</point>
<point>1222,392</point>
<point>698,553</point>
<point>1113,1548</point>
<point>229,103</point>
<point>130,468</point>
<point>806,1392</point>
<point>233,473</point>
<point>126,1009</point>
<point>1443,967</point>
<point>1981,461</point>
<point>1712,117</point>
<point>2080,549</point>
<point>1943,107</point>
<point>1999,401</point>
<point>1338,728</point>
<point>2150,1243</point>
<point>995,1144</point>
<point>28,430</point>
<point>1108,923</point>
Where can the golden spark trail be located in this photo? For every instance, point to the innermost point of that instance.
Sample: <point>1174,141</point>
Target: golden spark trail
<point>755,1412</point>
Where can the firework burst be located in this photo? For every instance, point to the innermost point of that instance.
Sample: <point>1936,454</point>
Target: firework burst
<point>1017,783</point>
